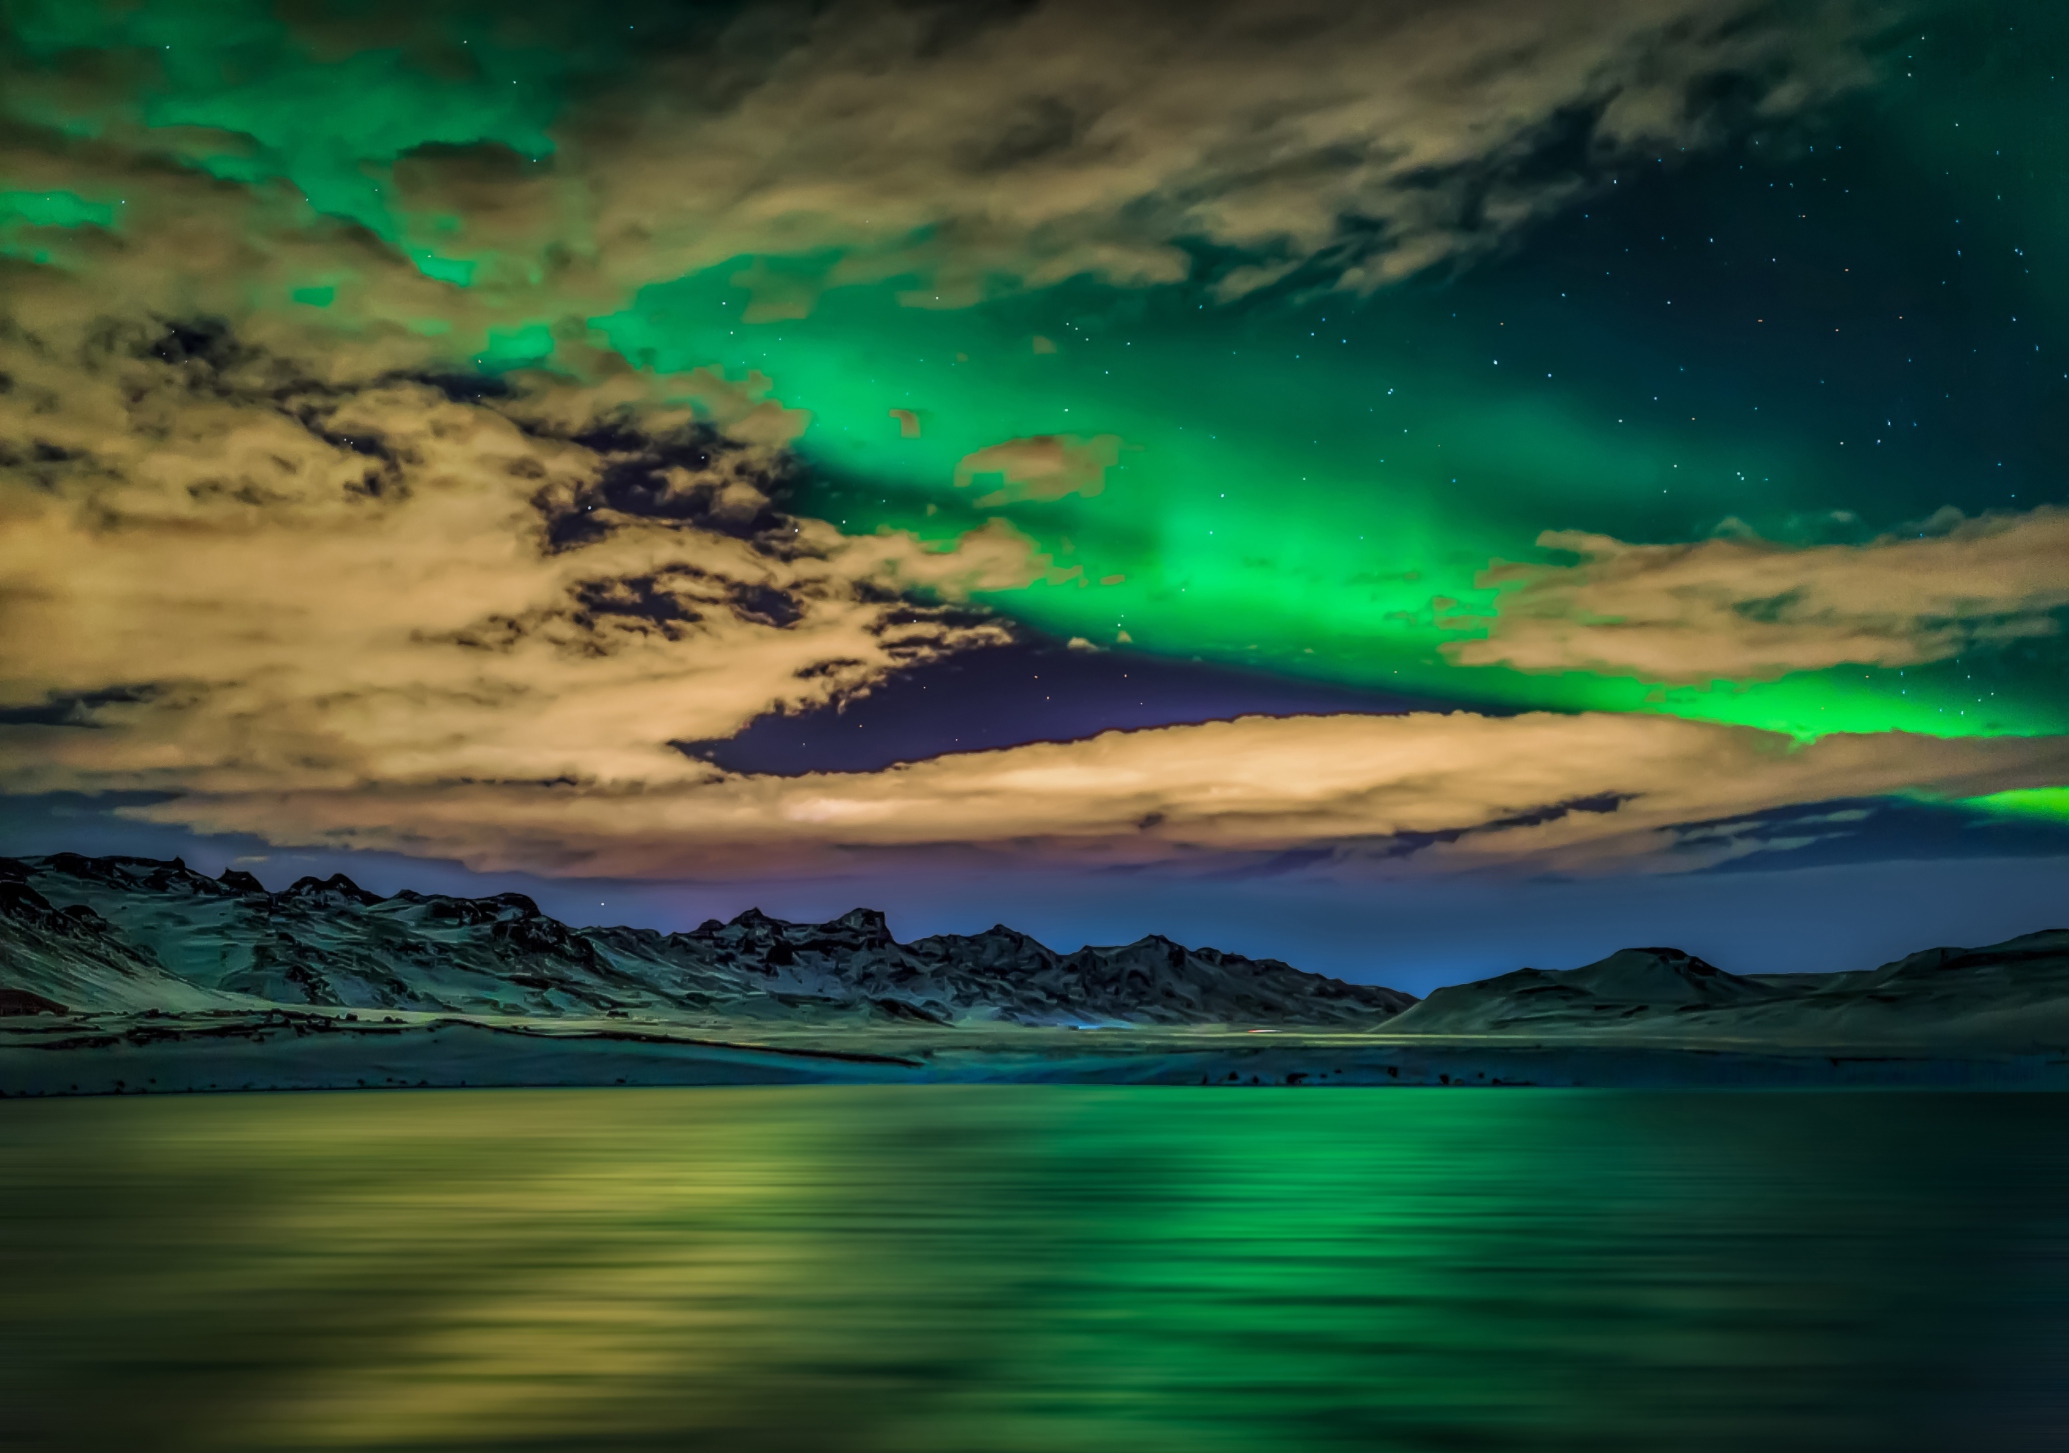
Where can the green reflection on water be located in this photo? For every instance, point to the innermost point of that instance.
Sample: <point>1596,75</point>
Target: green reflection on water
<point>1016,1269</point>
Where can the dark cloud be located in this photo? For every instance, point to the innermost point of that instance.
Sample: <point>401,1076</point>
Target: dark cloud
<point>1029,690</point>
<point>1861,830</point>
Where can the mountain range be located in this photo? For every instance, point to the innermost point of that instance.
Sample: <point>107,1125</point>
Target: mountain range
<point>137,934</point>
<point>132,972</point>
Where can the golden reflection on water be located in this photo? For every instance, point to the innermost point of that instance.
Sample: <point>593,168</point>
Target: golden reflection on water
<point>960,1268</point>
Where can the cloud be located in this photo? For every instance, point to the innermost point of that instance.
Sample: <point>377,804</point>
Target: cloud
<point>248,577</point>
<point>1030,143</point>
<point>1340,793</point>
<point>964,148</point>
<point>270,543</point>
<point>1042,467</point>
<point>1745,608</point>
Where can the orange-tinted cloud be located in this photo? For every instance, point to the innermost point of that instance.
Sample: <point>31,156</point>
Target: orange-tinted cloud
<point>1742,608</point>
<point>1572,793</point>
<point>973,148</point>
<point>1042,467</point>
<point>264,580</point>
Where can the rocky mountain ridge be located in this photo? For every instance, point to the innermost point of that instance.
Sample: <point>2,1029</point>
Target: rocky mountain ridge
<point>119,933</point>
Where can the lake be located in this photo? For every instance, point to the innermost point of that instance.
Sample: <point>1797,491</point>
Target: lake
<point>1030,1270</point>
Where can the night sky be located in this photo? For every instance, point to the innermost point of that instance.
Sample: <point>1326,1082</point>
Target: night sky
<point>1411,488</point>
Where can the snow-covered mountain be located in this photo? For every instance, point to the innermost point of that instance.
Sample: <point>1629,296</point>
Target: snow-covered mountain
<point>120,975</point>
<point>136,933</point>
<point>53,958</point>
<point>130,935</point>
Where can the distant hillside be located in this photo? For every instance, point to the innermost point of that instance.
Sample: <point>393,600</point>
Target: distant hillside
<point>112,934</point>
<point>2012,995</point>
<point>1633,983</point>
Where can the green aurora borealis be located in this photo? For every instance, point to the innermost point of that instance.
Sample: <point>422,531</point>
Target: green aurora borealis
<point>1299,500</point>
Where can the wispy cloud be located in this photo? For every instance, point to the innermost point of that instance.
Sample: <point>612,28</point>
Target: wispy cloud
<point>1571,793</point>
<point>1743,608</point>
<point>963,148</point>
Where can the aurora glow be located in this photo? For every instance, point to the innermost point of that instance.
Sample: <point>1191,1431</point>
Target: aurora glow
<point>1327,387</point>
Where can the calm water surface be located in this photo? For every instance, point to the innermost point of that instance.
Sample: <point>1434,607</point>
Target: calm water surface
<point>1036,1269</point>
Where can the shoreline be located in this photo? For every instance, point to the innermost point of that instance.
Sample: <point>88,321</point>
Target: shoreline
<point>285,1051</point>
